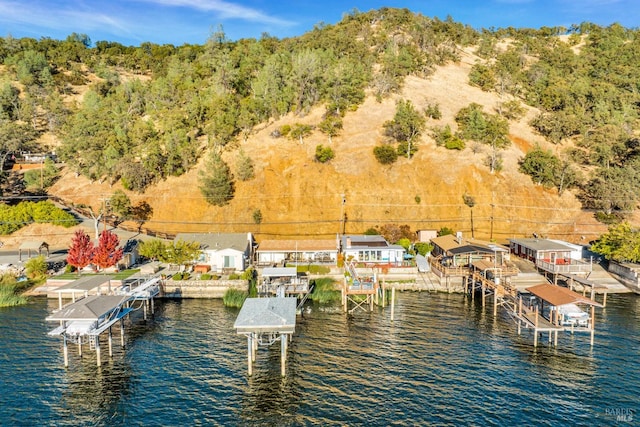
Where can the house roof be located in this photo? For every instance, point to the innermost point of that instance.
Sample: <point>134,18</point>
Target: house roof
<point>541,244</point>
<point>454,245</point>
<point>557,295</point>
<point>90,308</point>
<point>357,241</point>
<point>267,315</point>
<point>297,245</point>
<point>218,241</point>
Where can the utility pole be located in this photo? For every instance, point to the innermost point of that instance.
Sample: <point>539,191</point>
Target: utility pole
<point>105,205</point>
<point>342,214</point>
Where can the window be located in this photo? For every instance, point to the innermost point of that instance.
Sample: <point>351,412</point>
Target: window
<point>229,261</point>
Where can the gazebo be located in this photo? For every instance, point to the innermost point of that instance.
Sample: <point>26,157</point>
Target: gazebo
<point>33,245</point>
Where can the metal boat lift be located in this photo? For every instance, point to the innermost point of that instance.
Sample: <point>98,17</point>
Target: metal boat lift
<point>84,320</point>
<point>264,321</point>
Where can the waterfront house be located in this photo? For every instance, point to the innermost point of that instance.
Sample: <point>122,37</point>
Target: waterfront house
<point>370,249</point>
<point>552,256</point>
<point>225,252</point>
<point>280,252</point>
<point>454,255</point>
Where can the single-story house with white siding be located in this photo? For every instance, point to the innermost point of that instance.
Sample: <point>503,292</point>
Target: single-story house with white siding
<point>370,249</point>
<point>222,250</point>
<point>281,251</point>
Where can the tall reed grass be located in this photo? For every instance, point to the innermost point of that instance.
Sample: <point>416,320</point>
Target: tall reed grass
<point>324,291</point>
<point>234,297</point>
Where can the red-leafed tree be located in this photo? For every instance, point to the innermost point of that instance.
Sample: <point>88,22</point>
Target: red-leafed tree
<point>107,253</point>
<point>81,250</point>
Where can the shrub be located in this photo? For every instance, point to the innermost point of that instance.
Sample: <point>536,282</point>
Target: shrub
<point>234,276</point>
<point>36,268</point>
<point>285,130</point>
<point>454,143</point>
<point>205,276</point>
<point>433,111</point>
<point>423,248</point>
<point>324,154</point>
<point>385,154</point>
<point>181,276</point>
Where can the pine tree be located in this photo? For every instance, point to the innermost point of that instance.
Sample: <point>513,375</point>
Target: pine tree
<point>81,250</point>
<point>216,182</point>
<point>107,253</point>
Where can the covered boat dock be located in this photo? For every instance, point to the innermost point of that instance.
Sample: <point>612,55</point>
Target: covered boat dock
<point>87,319</point>
<point>543,312</point>
<point>265,321</point>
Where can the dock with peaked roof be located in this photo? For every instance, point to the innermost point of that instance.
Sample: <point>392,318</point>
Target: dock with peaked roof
<point>265,321</point>
<point>88,316</point>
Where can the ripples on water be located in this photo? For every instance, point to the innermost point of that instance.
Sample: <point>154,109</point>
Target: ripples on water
<point>443,361</point>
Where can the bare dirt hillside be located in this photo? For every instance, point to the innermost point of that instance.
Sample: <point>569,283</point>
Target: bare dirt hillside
<point>299,197</point>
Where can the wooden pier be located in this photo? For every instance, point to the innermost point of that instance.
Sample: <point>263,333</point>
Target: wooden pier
<point>359,291</point>
<point>84,320</point>
<point>265,321</point>
<point>543,313</point>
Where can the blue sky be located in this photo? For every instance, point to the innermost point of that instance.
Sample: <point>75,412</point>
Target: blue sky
<point>132,22</point>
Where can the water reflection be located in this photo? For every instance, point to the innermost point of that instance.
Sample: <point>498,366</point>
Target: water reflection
<point>444,360</point>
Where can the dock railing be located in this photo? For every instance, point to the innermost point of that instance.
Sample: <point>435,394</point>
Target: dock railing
<point>562,266</point>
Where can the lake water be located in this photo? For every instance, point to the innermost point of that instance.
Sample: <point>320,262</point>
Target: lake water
<point>442,361</point>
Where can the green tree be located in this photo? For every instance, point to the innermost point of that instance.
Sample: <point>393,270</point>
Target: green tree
<point>489,129</point>
<point>216,181</point>
<point>180,252</point>
<point>470,201</point>
<point>120,205</point>
<point>483,77</point>
<point>245,169</point>
<point>154,249</point>
<point>42,178</point>
<point>257,216</point>
<point>300,131</point>
<point>540,165</point>
<point>423,248</point>
<point>621,243</point>
<point>331,126</point>
<point>406,126</point>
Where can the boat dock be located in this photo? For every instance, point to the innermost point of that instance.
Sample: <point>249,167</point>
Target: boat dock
<point>84,320</point>
<point>357,290</point>
<point>265,321</point>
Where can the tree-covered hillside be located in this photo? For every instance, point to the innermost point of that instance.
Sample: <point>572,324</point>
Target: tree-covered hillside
<point>135,116</point>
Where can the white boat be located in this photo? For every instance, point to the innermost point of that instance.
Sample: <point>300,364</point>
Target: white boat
<point>572,315</point>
